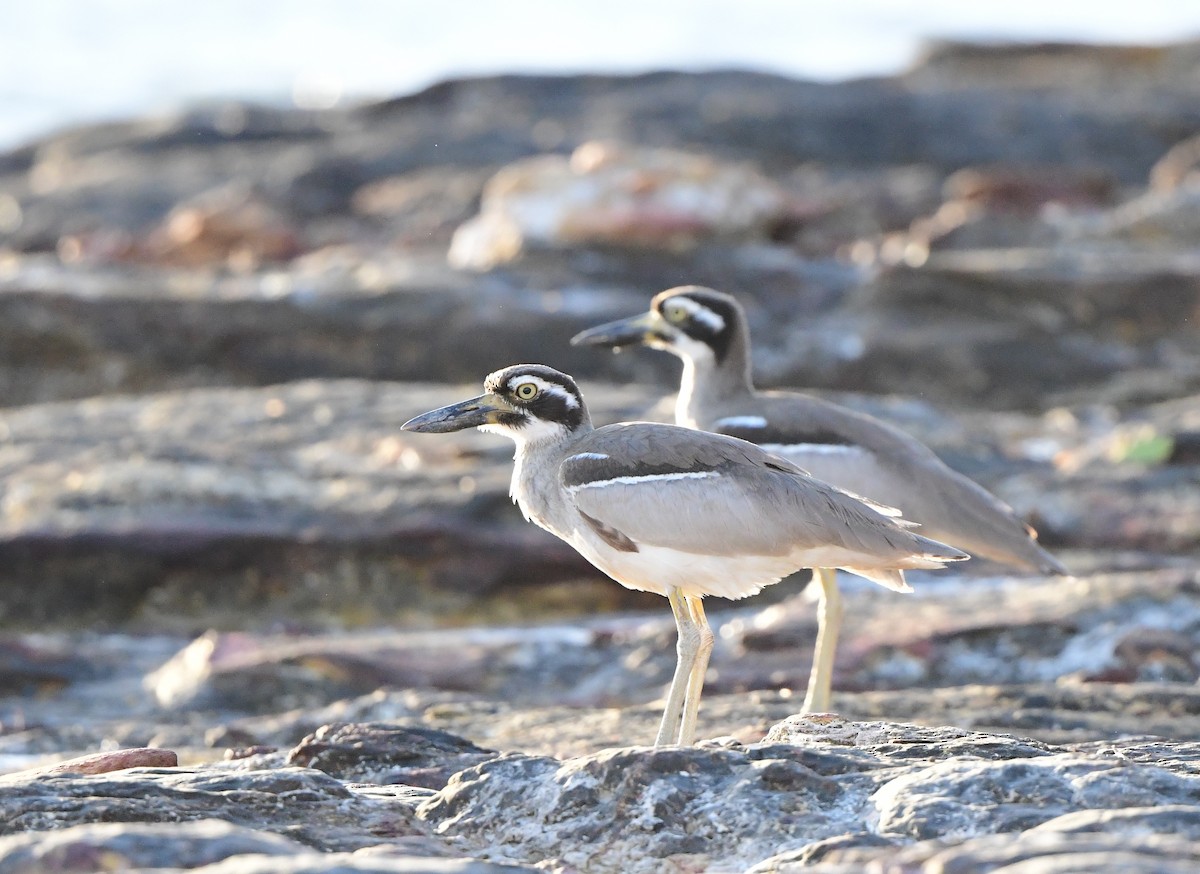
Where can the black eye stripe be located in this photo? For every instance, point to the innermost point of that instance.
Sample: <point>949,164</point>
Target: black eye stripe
<point>700,330</point>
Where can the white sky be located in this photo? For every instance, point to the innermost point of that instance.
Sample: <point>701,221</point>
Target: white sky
<point>63,61</point>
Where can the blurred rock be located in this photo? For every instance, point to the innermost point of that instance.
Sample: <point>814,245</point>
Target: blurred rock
<point>103,763</point>
<point>305,805</point>
<point>320,236</point>
<point>607,194</point>
<point>1177,167</point>
<point>1117,70</point>
<point>133,845</point>
<point>227,227</point>
<point>327,513</point>
<point>194,508</point>
<point>1018,325</point>
<point>1020,188</point>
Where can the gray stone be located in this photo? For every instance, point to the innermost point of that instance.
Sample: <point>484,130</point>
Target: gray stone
<point>305,805</point>
<point>1180,820</point>
<point>636,810</point>
<point>375,753</point>
<point>358,863</point>
<point>959,799</point>
<point>1041,854</point>
<point>127,845</point>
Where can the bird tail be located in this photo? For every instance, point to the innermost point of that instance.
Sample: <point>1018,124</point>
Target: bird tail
<point>888,578</point>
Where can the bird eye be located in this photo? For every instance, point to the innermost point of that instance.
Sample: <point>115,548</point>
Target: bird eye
<point>675,312</point>
<point>526,391</point>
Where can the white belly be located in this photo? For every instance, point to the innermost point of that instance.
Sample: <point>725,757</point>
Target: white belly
<point>658,568</point>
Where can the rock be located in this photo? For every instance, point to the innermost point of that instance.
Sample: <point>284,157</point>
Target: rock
<point>1117,70</point>
<point>1180,820</point>
<point>1029,294</point>
<point>103,763</point>
<point>607,194</point>
<point>149,505</point>
<point>636,810</point>
<point>224,227</point>
<point>305,805</point>
<point>387,754</point>
<point>350,863</point>
<point>1025,854</point>
<point>956,799</point>
<point>1021,188</point>
<point>211,846</point>
<point>1177,167</point>
<point>802,797</point>
<point>129,845</point>
<point>366,197</point>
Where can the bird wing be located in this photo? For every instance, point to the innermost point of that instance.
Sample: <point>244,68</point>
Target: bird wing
<point>866,456</point>
<point>661,485</point>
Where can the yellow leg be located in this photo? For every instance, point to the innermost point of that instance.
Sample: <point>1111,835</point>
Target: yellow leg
<point>686,648</point>
<point>695,682</point>
<point>829,622</point>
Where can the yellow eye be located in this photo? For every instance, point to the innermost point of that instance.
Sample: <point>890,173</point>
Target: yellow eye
<point>674,312</point>
<point>526,391</point>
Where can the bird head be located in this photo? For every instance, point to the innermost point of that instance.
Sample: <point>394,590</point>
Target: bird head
<point>526,402</point>
<point>689,321</point>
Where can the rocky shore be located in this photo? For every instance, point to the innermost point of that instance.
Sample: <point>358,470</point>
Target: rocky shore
<point>246,624</point>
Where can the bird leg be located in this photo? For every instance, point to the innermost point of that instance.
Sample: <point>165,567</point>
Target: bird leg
<point>829,622</point>
<point>695,682</point>
<point>686,649</point>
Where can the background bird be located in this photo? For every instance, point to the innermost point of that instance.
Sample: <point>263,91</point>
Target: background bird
<point>677,511</point>
<point>707,329</point>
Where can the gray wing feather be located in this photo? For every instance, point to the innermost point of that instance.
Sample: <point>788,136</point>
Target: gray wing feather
<point>900,471</point>
<point>737,499</point>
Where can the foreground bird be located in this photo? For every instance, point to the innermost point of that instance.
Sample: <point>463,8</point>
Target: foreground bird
<point>853,451</point>
<point>677,511</point>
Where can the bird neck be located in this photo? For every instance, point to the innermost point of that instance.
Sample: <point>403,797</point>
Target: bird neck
<point>535,492</point>
<point>706,382</point>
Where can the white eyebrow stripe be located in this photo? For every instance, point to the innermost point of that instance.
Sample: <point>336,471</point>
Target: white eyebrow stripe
<point>741,422</point>
<point>701,313</point>
<point>548,387</point>
<point>641,480</point>
<point>814,448</point>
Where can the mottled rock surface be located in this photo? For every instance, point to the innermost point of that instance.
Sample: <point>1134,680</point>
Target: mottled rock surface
<point>818,789</point>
